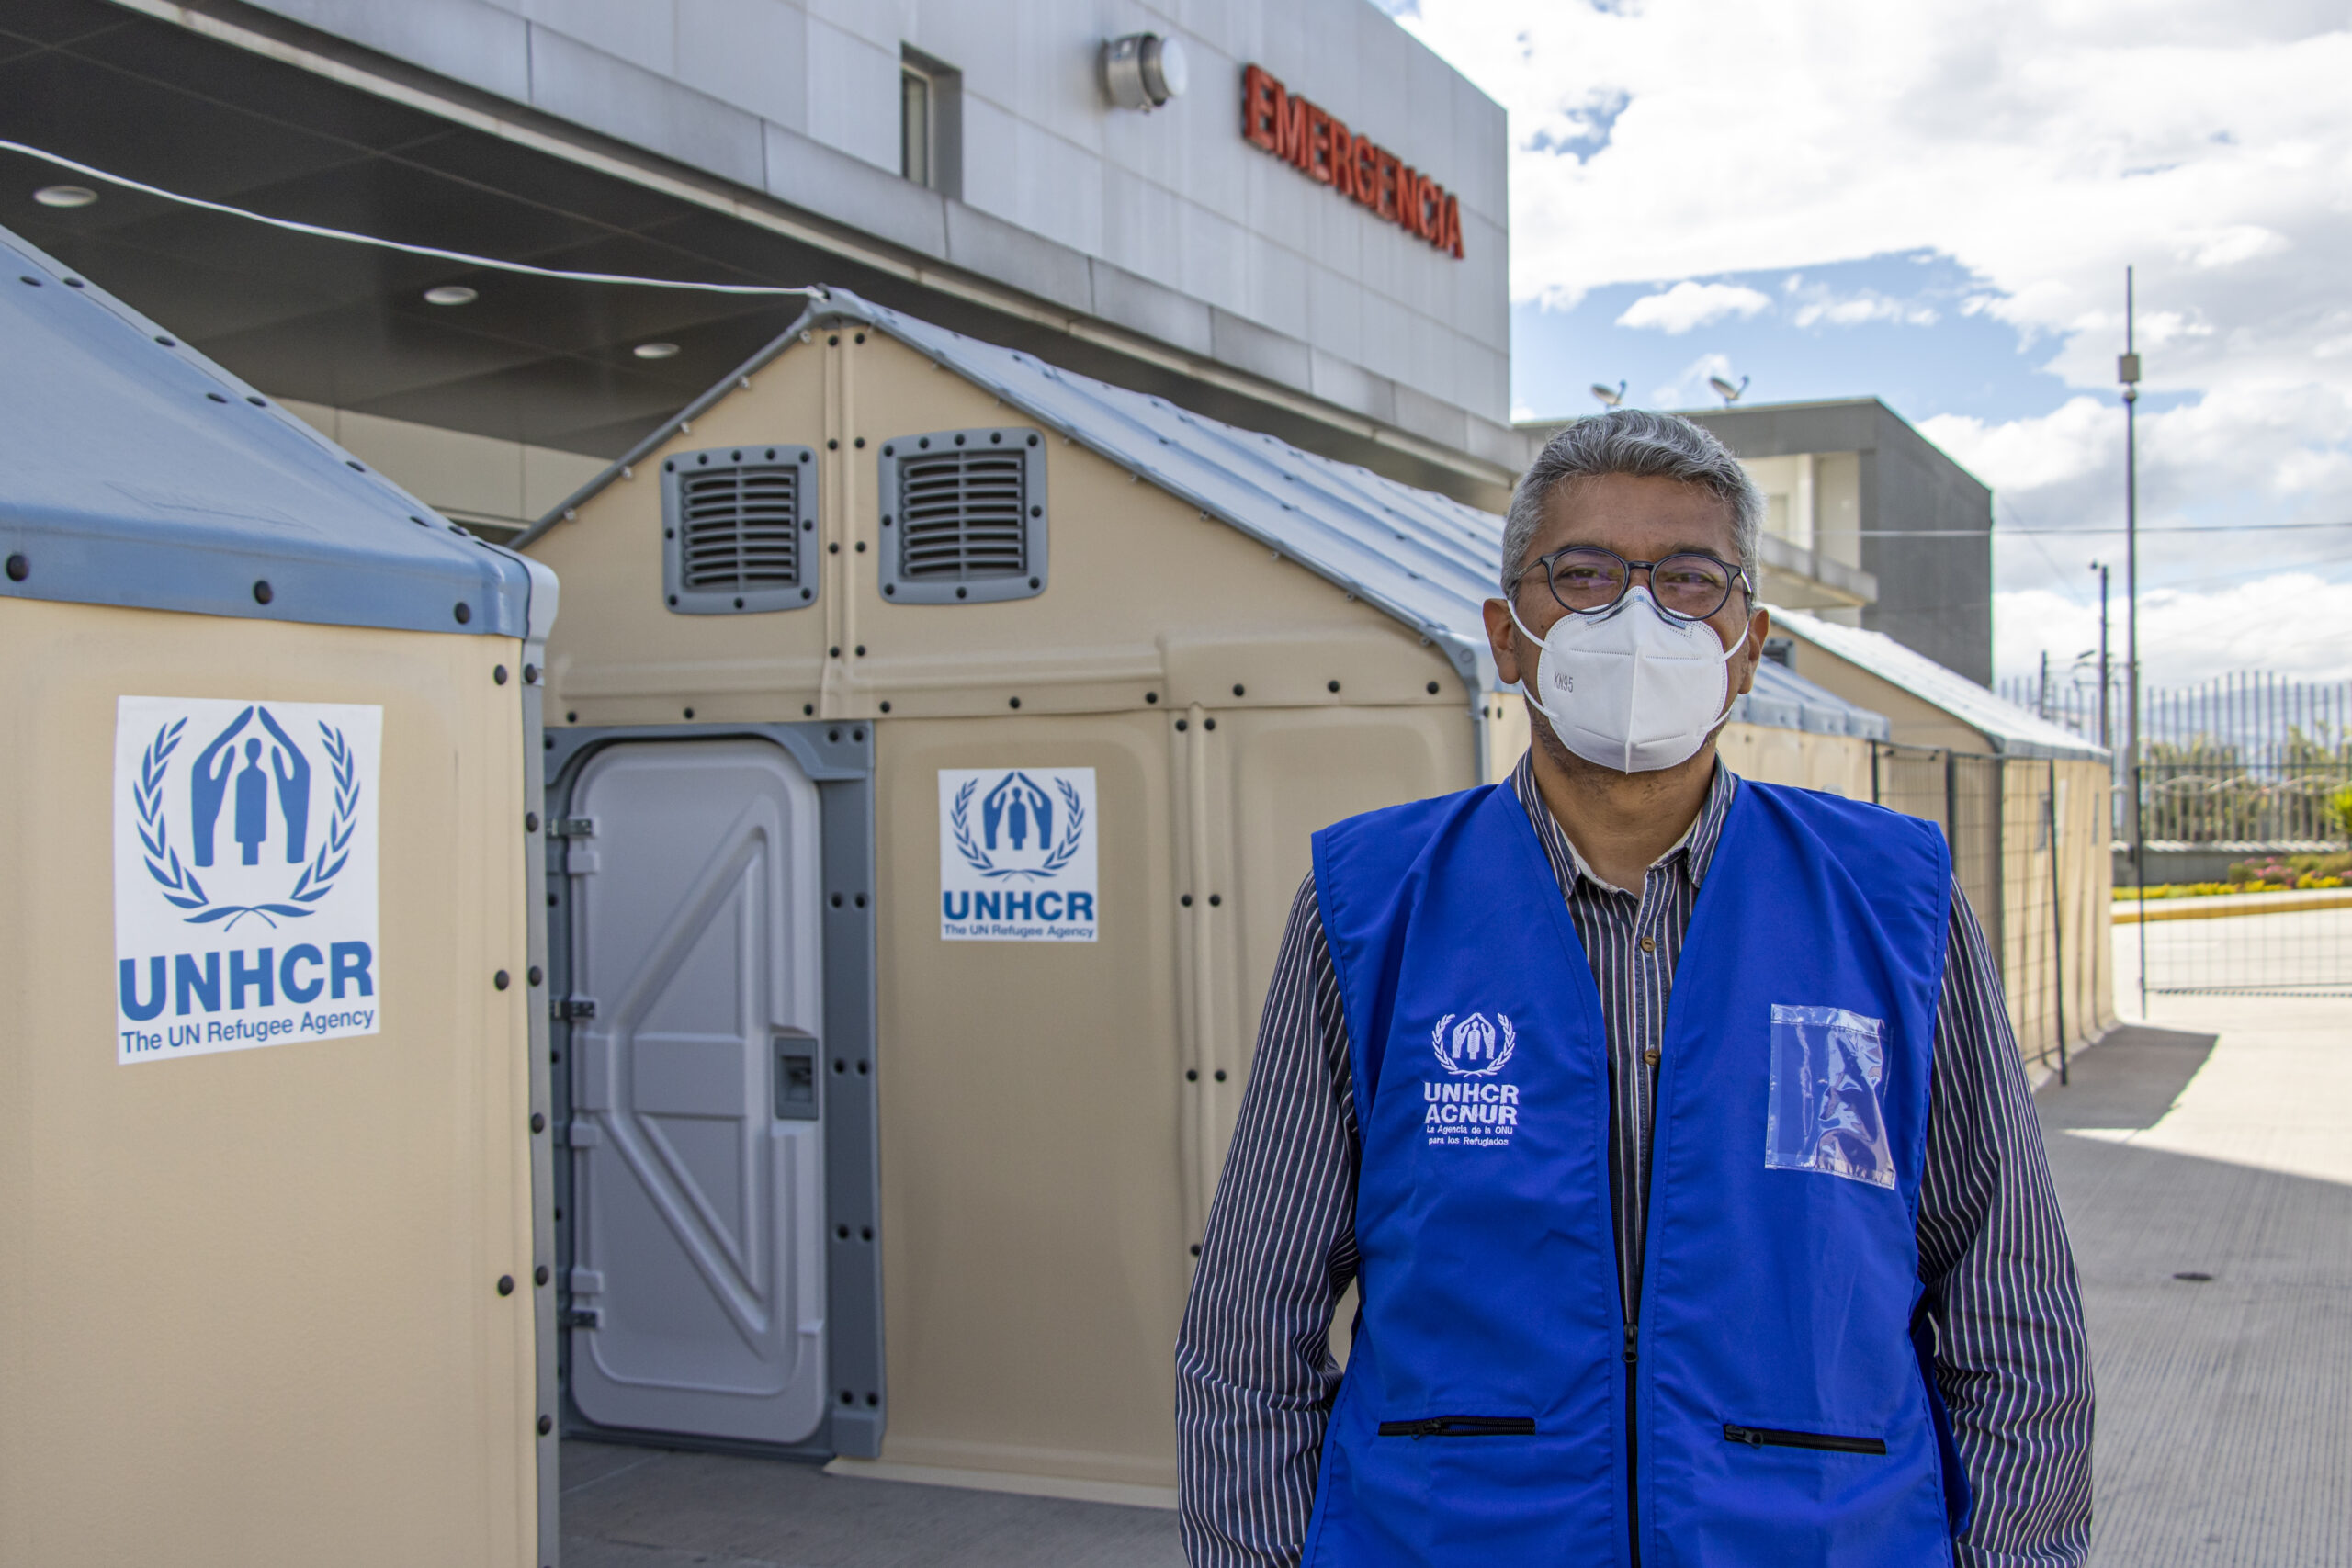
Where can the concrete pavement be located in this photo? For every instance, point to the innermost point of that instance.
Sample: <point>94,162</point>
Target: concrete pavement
<point>630,1507</point>
<point>2205,1167</point>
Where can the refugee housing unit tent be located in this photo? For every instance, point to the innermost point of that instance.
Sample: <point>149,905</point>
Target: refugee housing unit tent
<point>2027,806</point>
<point>268,1257</point>
<point>1109,664</point>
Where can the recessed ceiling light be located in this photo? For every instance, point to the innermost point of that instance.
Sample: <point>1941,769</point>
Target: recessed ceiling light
<point>654,350</point>
<point>450,294</point>
<point>65,196</point>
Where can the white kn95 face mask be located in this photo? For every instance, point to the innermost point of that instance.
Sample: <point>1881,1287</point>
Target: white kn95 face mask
<point>1632,688</point>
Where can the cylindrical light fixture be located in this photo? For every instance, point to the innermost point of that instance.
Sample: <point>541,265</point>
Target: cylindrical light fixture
<point>1143,70</point>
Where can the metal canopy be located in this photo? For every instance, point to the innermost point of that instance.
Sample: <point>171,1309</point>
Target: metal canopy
<point>548,362</point>
<point>137,472</point>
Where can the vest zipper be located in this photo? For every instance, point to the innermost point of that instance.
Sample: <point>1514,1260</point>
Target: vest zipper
<point>1461,1427</point>
<point>1771,1438</point>
<point>1632,1449</point>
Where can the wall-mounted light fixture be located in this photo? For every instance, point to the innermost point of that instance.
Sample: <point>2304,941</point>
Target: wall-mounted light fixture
<point>1143,70</point>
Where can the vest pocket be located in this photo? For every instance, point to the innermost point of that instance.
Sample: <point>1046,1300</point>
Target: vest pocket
<point>1461,1427</point>
<point>1772,1438</point>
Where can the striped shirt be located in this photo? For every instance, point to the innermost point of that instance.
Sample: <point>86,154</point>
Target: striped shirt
<point>1255,1376</point>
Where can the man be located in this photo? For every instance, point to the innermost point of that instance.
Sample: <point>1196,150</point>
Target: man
<point>1771,1273</point>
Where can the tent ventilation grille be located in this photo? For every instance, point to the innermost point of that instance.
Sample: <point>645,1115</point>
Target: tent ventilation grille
<point>966,516</point>
<point>737,528</point>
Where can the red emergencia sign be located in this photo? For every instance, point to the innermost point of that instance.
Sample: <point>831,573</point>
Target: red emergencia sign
<point>1319,145</point>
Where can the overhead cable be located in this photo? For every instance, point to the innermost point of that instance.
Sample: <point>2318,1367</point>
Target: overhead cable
<point>2058,532</point>
<point>319,232</point>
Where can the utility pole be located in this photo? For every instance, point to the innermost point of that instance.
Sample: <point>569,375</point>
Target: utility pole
<point>2100,568</point>
<point>2127,371</point>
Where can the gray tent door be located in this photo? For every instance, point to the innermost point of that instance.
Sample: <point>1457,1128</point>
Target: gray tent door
<point>696,1128</point>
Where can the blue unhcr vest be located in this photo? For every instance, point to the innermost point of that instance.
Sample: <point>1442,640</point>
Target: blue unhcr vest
<point>1772,1407</point>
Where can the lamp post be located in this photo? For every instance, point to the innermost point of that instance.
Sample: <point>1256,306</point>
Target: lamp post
<point>2127,371</point>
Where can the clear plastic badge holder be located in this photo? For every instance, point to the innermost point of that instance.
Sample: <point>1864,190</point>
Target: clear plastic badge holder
<point>1827,1065</point>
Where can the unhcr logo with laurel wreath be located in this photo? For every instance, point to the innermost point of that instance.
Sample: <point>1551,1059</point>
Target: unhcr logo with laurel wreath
<point>244,873</point>
<point>1017,854</point>
<point>1471,1106</point>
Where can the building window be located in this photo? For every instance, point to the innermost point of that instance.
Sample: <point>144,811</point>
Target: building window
<point>914,125</point>
<point>931,101</point>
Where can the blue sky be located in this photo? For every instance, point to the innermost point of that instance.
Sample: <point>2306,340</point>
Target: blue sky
<point>1934,203</point>
<point>1907,327</point>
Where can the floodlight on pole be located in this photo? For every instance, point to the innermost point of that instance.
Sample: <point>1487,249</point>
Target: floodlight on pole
<point>1608,399</point>
<point>1725,390</point>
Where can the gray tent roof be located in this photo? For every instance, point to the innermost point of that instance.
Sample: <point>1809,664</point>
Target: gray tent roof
<point>1786,700</point>
<point>134,471</point>
<point>1426,560</point>
<point>2006,728</point>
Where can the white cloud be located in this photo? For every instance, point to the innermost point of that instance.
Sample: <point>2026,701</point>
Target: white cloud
<point>1854,309</point>
<point>2187,638</point>
<point>2238,242</point>
<point>1688,305</point>
<point>2044,148</point>
<point>2082,438</point>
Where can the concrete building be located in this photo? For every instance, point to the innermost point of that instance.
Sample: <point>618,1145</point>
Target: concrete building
<point>1329,266</point>
<point>1845,482</point>
<point>1869,524</point>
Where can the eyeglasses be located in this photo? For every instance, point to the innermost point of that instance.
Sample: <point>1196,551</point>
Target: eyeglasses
<point>1586,579</point>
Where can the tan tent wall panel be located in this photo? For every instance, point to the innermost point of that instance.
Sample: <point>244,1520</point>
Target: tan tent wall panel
<point>2089,885</point>
<point>1269,779</point>
<point>1509,733</point>
<point>248,1326</point>
<point>1839,764</point>
<point>1047,1162</point>
<point>1034,1260</point>
<point>1142,594</point>
<point>619,656</point>
<point>1916,721</point>
<point>2058,939</point>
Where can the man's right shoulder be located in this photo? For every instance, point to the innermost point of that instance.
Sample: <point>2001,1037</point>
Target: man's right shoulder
<point>1378,849</point>
<point>1414,821</point>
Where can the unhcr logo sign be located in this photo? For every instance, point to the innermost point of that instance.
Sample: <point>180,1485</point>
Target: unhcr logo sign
<point>1016,854</point>
<point>244,873</point>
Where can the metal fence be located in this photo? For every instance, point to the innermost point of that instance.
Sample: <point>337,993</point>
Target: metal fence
<point>2257,718</point>
<point>2271,915</point>
<point>2030,851</point>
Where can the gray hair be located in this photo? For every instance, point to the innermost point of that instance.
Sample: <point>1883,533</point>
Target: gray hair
<point>1642,444</point>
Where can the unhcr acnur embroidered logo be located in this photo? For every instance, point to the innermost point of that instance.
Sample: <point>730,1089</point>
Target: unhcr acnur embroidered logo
<point>1475,1047</point>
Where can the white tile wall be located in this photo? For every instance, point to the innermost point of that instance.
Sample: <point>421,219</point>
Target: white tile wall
<point>853,94</point>
<point>752,52</point>
<point>642,32</point>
